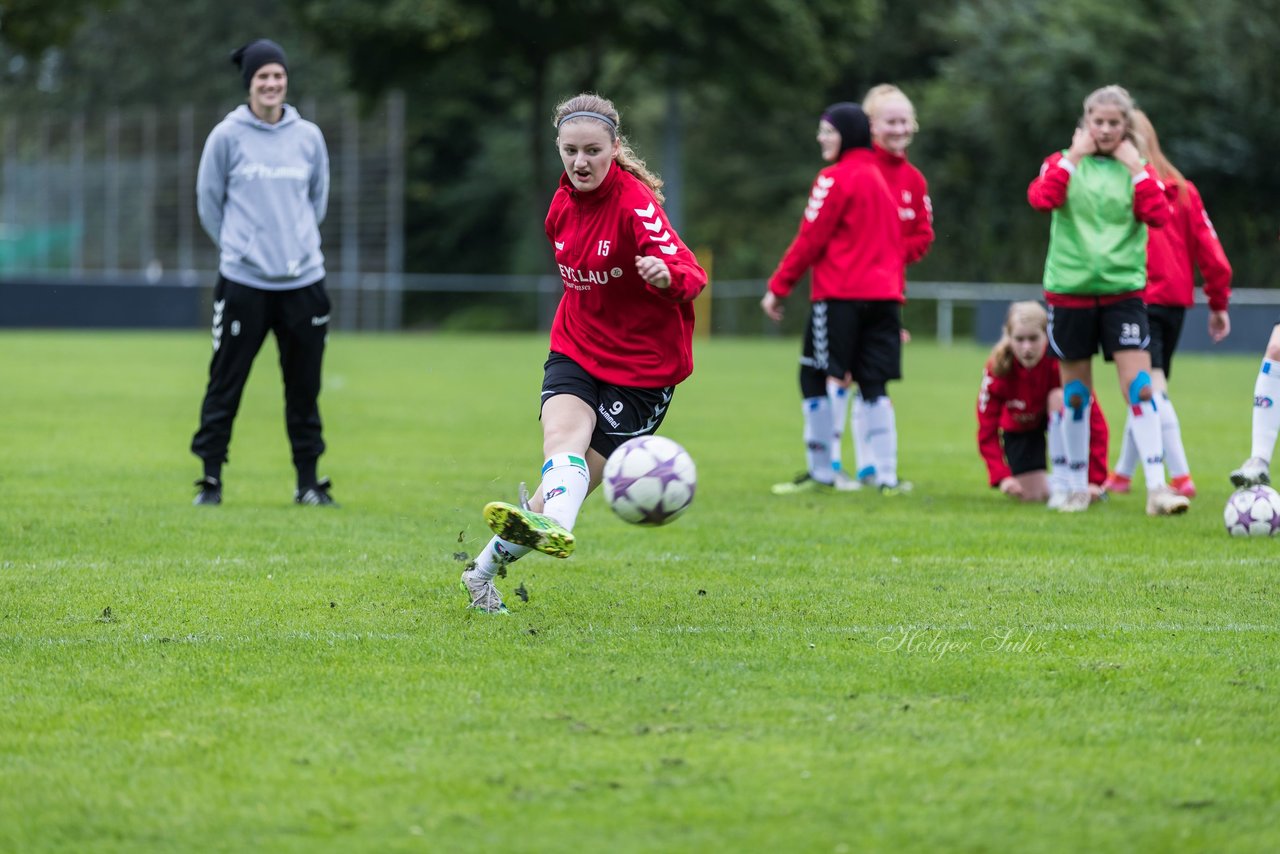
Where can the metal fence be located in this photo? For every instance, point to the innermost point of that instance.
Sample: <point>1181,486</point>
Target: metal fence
<point>102,196</point>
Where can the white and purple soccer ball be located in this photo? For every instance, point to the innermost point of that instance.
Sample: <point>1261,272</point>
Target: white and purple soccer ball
<point>1253,511</point>
<point>649,480</point>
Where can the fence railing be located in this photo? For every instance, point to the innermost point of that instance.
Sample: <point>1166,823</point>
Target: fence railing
<point>379,301</point>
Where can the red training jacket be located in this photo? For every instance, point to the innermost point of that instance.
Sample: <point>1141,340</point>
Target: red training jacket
<point>915,209</point>
<point>850,235</point>
<point>617,326</point>
<point>1017,403</point>
<point>1186,242</point>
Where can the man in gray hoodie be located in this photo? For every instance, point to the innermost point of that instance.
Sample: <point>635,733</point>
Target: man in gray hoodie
<point>261,191</point>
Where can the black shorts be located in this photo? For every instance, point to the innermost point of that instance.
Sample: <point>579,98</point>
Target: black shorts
<point>622,412</point>
<point>860,337</point>
<point>1025,451</point>
<point>1166,328</point>
<point>1077,333</point>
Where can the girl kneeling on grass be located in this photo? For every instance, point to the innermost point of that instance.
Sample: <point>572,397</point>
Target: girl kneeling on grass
<point>1021,400</point>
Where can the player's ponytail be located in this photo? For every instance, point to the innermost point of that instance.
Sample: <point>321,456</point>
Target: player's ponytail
<point>1149,147</point>
<point>596,108</point>
<point>1000,361</point>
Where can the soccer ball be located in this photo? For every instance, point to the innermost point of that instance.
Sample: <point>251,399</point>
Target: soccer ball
<point>1253,512</point>
<point>649,480</point>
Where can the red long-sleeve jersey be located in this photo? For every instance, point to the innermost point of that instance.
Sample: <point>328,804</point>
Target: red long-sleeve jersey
<point>613,323</point>
<point>1186,242</point>
<point>1017,403</point>
<point>911,191</point>
<point>850,235</point>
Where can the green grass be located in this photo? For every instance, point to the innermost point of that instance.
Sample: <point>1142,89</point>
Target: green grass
<point>941,671</point>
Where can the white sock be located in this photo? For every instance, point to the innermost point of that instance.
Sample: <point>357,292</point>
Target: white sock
<point>838,396</point>
<point>1128,462</point>
<point>1075,433</point>
<point>564,487</point>
<point>864,463</point>
<point>1058,480</point>
<point>1266,409</point>
<point>817,437</point>
<point>1175,456</point>
<point>882,439</point>
<point>1144,425</point>
<point>497,554</point>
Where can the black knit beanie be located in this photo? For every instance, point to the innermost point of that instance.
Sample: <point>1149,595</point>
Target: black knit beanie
<point>256,54</point>
<point>853,125</point>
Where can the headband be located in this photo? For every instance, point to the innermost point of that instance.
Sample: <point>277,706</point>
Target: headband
<point>613,126</point>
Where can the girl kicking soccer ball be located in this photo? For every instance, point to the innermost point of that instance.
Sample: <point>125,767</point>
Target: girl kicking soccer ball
<point>1020,402</point>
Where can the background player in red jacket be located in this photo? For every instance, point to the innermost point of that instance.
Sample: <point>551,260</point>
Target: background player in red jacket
<point>1020,403</point>
<point>851,238</point>
<point>621,340</point>
<point>1185,243</point>
<point>893,127</point>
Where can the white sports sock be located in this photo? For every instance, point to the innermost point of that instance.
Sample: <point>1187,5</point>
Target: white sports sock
<point>1127,464</point>
<point>817,437</point>
<point>838,396</point>
<point>864,463</point>
<point>497,554</point>
<point>1058,480</point>
<point>1144,425</point>
<point>1075,434</point>
<point>1266,409</point>
<point>882,439</point>
<point>1175,456</point>
<point>564,487</point>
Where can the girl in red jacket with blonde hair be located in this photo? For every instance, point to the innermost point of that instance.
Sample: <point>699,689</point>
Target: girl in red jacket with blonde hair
<point>621,340</point>
<point>1020,414</point>
<point>1187,242</point>
<point>851,238</point>
<point>893,127</point>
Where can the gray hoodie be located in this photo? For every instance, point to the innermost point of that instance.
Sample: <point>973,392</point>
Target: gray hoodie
<point>261,191</point>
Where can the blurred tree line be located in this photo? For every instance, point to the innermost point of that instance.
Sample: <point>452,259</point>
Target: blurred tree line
<point>720,96</point>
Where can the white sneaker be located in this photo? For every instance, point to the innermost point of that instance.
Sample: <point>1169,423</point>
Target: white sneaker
<point>1252,472</point>
<point>484,596</point>
<point>1057,498</point>
<point>844,483</point>
<point>1163,501</point>
<point>1075,502</point>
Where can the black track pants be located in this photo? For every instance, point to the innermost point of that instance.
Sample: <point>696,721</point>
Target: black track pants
<point>242,316</point>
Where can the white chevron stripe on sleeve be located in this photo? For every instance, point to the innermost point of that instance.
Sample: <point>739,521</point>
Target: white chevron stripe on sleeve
<point>652,226</point>
<point>669,250</point>
<point>646,213</point>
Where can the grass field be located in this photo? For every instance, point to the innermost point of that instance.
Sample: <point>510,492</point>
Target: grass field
<point>944,671</point>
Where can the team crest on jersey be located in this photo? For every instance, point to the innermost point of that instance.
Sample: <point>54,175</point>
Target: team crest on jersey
<point>616,272</point>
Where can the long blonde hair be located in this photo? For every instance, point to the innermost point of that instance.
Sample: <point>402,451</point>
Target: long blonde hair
<point>1149,147</point>
<point>1026,311</point>
<point>589,102</point>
